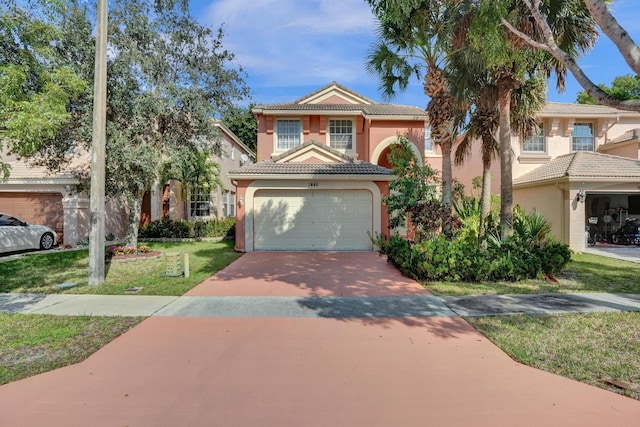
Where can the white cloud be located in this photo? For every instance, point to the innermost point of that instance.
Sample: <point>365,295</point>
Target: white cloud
<point>292,42</point>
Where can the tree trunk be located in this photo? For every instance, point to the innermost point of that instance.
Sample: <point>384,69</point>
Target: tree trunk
<point>447,187</point>
<point>618,35</point>
<point>485,198</point>
<point>505,87</point>
<point>133,220</point>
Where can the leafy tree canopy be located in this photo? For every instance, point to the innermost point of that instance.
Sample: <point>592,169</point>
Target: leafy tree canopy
<point>168,77</point>
<point>243,124</point>
<point>36,86</point>
<point>623,87</point>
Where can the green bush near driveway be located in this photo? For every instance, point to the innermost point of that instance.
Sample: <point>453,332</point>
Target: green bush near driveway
<point>463,260</point>
<point>584,273</point>
<point>41,273</point>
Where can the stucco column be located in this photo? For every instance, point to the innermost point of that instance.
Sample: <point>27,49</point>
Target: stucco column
<point>576,221</point>
<point>76,217</point>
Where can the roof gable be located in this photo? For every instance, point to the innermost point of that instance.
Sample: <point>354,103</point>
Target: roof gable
<point>334,93</point>
<point>312,152</point>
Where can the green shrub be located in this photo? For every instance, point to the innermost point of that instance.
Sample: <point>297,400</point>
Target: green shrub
<point>182,229</point>
<point>167,228</point>
<point>213,227</point>
<point>462,259</point>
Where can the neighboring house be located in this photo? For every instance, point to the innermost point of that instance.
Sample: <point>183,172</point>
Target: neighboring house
<point>322,171</point>
<point>582,164</point>
<point>201,203</point>
<point>39,197</point>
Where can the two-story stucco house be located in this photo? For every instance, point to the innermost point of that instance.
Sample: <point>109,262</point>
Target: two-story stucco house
<point>39,197</point>
<point>322,171</point>
<point>582,168</point>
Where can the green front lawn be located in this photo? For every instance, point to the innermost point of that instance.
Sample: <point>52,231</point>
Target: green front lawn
<point>41,273</point>
<point>584,273</point>
<point>31,344</point>
<point>591,348</point>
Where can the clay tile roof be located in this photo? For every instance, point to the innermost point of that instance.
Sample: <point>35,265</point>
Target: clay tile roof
<point>21,170</point>
<point>370,110</point>
<point>268,167</point>
<point>627,136</point>
<point>586,165</point>
<point>559,108</point>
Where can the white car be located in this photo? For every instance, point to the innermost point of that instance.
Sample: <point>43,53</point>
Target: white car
<point>17,235</point>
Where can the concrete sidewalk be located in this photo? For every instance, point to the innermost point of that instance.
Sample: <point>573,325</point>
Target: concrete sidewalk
<point>312,306</point>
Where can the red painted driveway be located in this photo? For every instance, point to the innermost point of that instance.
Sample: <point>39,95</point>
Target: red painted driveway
<point>198,371</point>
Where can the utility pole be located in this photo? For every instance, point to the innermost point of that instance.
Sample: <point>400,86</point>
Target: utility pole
<point>98,148</point>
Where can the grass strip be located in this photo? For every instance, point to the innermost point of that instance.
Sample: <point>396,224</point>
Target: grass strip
<point>585,347</point>
<point>36,343</point>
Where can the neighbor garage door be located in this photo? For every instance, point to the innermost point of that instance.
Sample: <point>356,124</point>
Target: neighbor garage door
<point>316,220</point>
<point>35,208</point>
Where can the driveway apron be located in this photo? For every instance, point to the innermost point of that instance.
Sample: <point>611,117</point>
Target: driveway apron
<point>364,347</point>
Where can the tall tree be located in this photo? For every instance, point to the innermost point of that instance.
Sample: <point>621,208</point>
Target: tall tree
<point>622,87</point>
<point>542,13</point>
<point>36,88</point>
<point>168,77</point>
<point>511,62</point>
<point>413,39</point>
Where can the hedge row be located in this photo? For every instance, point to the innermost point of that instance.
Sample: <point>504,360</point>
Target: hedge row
<point>182,229</point>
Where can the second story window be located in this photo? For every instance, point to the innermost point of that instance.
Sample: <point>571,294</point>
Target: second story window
<point>582,137</point>
<point>428,141</point>
<point>288,134</point>
<point>341,134</point>
<point>535,144</point>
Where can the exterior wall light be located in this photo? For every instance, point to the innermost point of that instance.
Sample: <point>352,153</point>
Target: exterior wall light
<point>581,196</point>
<point>240,202</point>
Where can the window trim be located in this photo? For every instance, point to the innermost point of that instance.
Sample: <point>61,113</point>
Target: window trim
<point>229,204</point>
<point>353,134</point>
<point>427,136</point>
<point>275,133</point>
<point>208,202</point>
<point>541,127</point>
<point>593,135</point>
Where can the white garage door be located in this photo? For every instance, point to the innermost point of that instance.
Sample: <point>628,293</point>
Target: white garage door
<point>314,220</point>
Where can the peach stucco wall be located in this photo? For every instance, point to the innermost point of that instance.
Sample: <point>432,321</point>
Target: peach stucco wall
<point>550,201</point>
<point>624,150</point>
<point>369,133</point>
<point>557,144</point>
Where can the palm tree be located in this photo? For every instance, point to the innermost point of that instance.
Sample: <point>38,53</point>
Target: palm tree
<point>482,124</point>
<point>511,62</point>
<point>195,169</point>
<point>414,39</point>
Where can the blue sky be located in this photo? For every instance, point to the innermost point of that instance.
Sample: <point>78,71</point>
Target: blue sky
<point>292,47</point>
